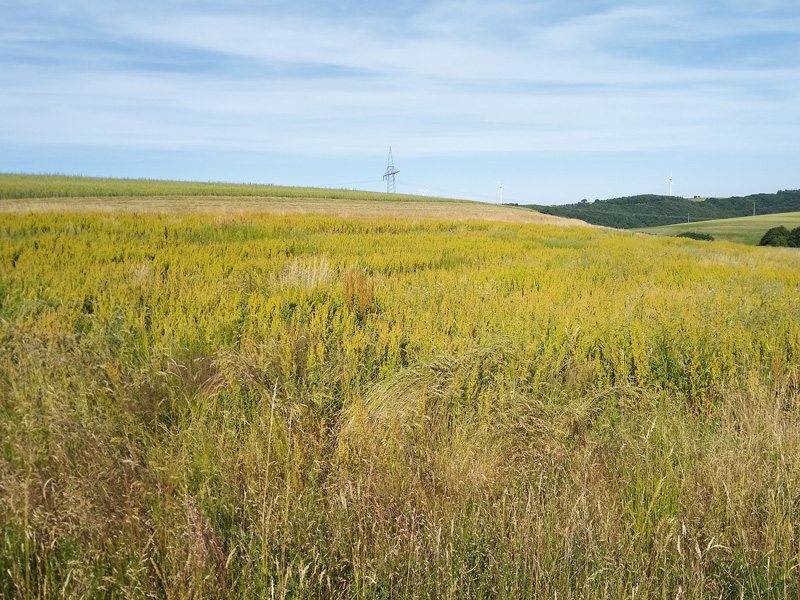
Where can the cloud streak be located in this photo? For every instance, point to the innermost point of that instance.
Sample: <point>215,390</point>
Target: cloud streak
<point>442,79</point>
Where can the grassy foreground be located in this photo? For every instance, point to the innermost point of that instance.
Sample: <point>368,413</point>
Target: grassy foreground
<point>302,406</point>
<point>742,230</point>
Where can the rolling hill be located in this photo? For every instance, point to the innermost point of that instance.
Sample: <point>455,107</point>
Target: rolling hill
<point>37,193</point>
<point>742,230</point>
<point>656,211</point>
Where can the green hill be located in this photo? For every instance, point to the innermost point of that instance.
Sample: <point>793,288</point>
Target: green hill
<point>17,186</point>
<point>655,211</point>
<point>38,193</point>
<point>742,230</point>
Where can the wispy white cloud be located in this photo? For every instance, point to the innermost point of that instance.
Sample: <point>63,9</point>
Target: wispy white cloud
<point>442,78</point>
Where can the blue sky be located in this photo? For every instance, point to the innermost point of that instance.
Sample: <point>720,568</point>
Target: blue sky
<point>559,101</point>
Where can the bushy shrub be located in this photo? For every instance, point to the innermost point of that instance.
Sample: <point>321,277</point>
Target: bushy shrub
<point>777,236</point>
<point>794,238</point>
<point>695,235</point>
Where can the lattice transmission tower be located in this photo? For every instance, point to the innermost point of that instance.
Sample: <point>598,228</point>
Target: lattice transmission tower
<point>388,176</point>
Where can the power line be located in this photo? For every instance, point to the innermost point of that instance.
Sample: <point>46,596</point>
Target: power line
<point>490,198</point>
<point>354,183</point>
<point>455,193</point>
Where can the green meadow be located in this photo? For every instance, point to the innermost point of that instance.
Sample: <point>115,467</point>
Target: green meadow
<point>742,230</point>
<point>64,186</point>
<point>212,398</point>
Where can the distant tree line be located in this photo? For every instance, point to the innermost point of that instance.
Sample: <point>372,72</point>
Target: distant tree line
<point>781,236</point>
<point>696,235</point>
<point>650,210</point>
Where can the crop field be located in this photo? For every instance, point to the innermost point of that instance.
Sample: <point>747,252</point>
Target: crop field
<point>231,202</point>
<point>742,230</point>
<point>64,186</point>
<point>231,403</point>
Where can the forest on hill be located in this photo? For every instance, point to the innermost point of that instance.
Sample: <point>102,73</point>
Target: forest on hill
<point>650,210</point>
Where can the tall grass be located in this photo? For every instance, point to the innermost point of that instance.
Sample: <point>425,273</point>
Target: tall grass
<point>325,408</point>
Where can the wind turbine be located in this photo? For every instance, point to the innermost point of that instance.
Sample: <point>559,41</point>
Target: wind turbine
<point>500,187</point>
<point>670,183</point>
<point>422,192</point>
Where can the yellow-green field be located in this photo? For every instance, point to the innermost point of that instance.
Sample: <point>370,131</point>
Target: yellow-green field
<point>256,404</point>
<point>64,186</point>
<point>242,208</point>
<point>742,230</point>
<point>26,193</point>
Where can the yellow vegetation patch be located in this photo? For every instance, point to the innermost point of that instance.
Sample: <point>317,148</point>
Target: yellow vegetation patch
<point>241,207</point>
<point>233,402</point>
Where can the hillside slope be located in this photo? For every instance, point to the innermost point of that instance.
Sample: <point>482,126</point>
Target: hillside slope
<point>17,186</point>
<point>35,193</point>
<point>742,230</point>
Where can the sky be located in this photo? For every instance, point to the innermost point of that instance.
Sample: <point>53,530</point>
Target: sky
<point>556,101</point>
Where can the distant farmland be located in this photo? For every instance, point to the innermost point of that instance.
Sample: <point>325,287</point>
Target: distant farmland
<point>31,193</point>
<point>743,230</point>
<point>63,186</point>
